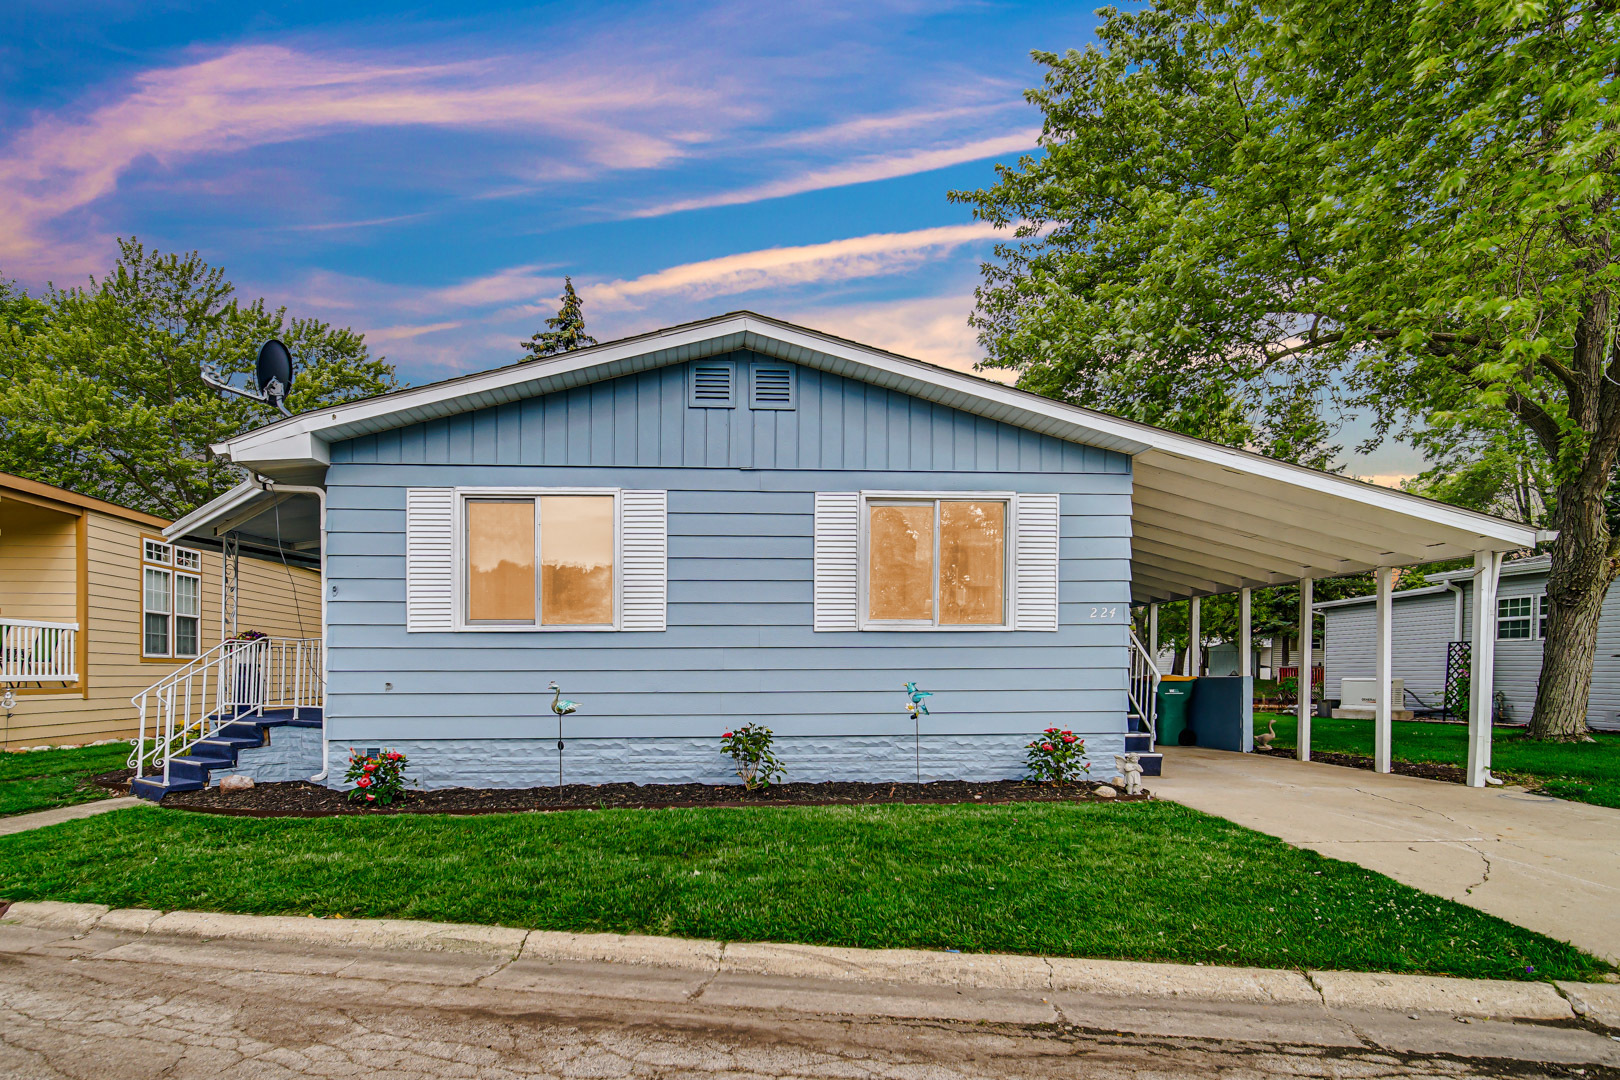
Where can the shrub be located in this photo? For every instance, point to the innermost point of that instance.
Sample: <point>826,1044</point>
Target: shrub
<point>378,779</point>
<point>1056,757</point>
<point>750,749</point>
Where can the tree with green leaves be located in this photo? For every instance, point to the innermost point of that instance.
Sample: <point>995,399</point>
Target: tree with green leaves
<point>1403,206</point>
<point>101,388</point>
<point>565,331</point>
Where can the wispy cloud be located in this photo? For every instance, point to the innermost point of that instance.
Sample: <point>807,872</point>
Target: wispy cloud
<point>786,267</point>
<point>861,171</point>
<point>257,95</point>
<point>931,328</point>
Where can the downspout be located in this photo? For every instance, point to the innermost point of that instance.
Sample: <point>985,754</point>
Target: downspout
<point>1457,610</point>
<point>320,495</point>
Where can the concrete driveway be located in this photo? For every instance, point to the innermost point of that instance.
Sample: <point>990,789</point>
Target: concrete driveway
<point>1546,864</point>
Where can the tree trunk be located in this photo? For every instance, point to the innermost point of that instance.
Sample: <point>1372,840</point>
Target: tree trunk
<point>1582,569</point>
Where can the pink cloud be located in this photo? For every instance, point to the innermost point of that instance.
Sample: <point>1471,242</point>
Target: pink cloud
<point>258,95</point>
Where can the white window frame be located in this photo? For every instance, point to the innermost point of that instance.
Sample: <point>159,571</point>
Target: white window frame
<point>1009,556</point>
<point>1529,618</point>
<point>174,563</point>
<point>464,495</point>
<point>1538,632</point>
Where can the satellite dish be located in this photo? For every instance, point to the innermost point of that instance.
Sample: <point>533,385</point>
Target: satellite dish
<point>274,372</point>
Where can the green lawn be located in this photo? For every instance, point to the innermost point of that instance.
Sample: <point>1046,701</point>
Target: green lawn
<point>1588,772</point>
<point>47,778</point>
<point>1143,881</point>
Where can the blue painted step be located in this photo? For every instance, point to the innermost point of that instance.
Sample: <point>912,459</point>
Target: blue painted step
<point>190,771</point>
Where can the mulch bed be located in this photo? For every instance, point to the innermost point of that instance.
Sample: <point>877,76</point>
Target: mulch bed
<point>303,799</point>
<point>116,781</point>
<point>1427,770</point>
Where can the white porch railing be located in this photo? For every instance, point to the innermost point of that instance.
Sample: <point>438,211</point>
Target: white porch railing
<point>1144,687</point>
<point>34,651</point>
<point>232,679</point>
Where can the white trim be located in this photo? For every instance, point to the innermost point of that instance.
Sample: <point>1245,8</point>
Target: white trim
<point>459,622</point>
<point>300,441</point>
<point>1528,618</point>
<point>1372,597</point>
<point>1008,554</point>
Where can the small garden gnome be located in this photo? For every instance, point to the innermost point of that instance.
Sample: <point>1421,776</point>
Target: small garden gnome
<point>1130,767</point>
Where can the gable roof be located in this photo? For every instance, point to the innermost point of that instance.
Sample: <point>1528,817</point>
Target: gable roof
<point>1207,518</point>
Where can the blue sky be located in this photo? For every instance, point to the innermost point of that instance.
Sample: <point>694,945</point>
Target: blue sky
<point>429,173</point>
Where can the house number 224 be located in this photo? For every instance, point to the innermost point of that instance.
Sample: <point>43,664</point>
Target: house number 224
<point>1105,612</point>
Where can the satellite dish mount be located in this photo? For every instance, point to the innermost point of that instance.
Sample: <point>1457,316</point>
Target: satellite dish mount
<point>273,375</point>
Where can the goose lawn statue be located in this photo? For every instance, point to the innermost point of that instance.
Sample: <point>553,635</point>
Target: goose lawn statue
<point>562,707</point>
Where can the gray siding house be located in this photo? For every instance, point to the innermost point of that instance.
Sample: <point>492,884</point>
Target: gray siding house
<point>1425,620</point>
<point>743,520</point>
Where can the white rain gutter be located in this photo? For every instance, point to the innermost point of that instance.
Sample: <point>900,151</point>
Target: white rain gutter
<point>320,495</point>
<point>1456,614</point>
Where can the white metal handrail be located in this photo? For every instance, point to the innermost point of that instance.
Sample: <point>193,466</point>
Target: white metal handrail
<point>35,651</point>
<point>1144,687</point>
<point>232,679</point>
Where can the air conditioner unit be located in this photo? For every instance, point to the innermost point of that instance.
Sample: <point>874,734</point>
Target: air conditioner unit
<point>1363,693</point>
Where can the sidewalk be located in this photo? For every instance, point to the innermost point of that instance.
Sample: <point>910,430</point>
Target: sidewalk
<point>1546,864</point>
<point>183,994</point>
<point>24,822</point>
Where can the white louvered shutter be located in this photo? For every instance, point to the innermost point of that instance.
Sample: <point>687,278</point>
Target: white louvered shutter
<point>645,532</point>
<point>430,577</point>
<point>838,559</point>
<point>1035,580</point>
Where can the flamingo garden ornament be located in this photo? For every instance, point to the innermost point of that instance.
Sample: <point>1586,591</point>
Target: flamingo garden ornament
<point>562,707</point>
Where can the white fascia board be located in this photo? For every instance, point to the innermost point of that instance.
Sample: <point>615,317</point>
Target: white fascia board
<point>1427,590</point>
<point>303,439</point>
<point>214,509</point>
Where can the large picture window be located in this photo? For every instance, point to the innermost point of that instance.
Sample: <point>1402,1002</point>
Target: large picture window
<point>171,601</point>
<point>936,561</point>
<point>543,560</point>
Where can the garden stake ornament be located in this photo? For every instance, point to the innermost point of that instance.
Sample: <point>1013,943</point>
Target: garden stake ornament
<point>917,708</point>
<point>562,707</point>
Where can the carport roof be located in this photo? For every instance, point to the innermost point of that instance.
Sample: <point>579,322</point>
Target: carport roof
<point>1206,518</point>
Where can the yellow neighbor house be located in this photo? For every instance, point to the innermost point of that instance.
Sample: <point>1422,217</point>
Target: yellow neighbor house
<point>95,606</point>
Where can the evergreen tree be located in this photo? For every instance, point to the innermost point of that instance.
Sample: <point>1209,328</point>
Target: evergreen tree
<point>563,333</point>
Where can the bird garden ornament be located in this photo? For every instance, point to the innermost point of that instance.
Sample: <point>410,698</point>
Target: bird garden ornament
<point>917,708</point>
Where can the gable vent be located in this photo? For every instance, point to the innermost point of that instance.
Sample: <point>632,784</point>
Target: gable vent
<point>771,387</point>
<point>714,386</point>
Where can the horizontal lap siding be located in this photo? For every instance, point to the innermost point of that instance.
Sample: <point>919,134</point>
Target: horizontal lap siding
<point>1422,627</point>
<point>740,645</point>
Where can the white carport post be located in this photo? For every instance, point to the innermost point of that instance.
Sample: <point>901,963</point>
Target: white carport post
<point>1195,637</point>
<point>1153,633</point>
<point>1482,666</point>
<point>1383,579</point>
<point>1244,655</point>
<point>1302,738</point>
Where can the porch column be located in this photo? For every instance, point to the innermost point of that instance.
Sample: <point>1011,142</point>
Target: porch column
<point>1153,633</point>
<point>1303,738</point>
<point>1383,579</point>
<point>1195,636</point>
<point>1482,666</point>
<point>1245,658</point>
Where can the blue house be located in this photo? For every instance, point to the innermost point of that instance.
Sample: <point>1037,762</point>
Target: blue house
<point>743,520</point>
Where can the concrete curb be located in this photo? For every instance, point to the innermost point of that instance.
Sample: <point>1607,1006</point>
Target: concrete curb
<point>1596,1003</point>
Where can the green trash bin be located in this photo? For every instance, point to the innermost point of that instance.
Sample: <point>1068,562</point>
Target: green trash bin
<point>1175,694</point>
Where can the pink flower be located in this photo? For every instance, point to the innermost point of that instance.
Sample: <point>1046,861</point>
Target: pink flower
<point>727,735</point>
<point>1068,738</point>
<point>364,781</point>
<point>369,797</point>
<point>1047,747</point>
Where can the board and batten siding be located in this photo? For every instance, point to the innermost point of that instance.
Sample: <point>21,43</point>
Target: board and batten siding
<point>740,643</point>
<point>1422,627</point>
